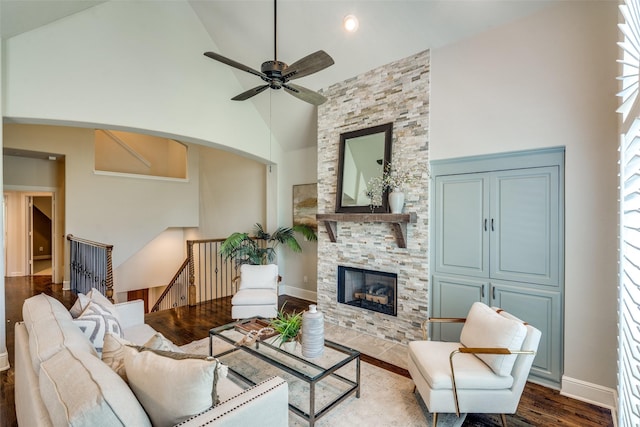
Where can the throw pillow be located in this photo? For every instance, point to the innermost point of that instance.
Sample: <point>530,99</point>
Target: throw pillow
<point>171,390</point>
<point>115,348</point>
<point>95,321</point>
<point>95,296</point>
<point>78,307</point>
<point>258,276</point>
<point>113,352</point>
<point>484,327</point>
<point>160,342</point>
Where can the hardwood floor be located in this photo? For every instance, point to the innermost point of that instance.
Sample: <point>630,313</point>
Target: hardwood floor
<point>539,405</point>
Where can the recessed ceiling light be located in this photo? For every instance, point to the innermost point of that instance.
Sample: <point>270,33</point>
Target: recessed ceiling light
<point>350,23</point>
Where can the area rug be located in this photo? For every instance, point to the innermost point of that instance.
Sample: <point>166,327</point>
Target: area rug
<point>386,399</point>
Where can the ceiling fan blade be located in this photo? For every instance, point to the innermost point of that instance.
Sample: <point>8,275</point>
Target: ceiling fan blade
<point>304,94</point>
<point>308,65</point>
<point>248,94</point>
<point>234,64</point>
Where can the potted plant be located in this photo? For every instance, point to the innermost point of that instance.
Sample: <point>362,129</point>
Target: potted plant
<point>261,247</point>
<point>287,325</point>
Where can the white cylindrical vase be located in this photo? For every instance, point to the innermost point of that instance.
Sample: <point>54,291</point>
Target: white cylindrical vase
<point>396,201</point>
<point>312,332</point>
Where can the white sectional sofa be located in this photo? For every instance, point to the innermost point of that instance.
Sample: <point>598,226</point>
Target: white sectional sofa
<point>60,380</point>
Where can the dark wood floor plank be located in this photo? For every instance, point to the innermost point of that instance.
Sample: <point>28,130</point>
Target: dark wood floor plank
<point>539,406</point>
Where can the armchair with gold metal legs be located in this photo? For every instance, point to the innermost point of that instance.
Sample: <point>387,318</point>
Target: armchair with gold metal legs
<point>485,372</point>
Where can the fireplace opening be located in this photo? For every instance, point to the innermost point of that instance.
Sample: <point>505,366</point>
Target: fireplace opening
<point>368,289</point>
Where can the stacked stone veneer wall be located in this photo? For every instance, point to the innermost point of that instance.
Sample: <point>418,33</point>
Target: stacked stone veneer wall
<point>398,93</point>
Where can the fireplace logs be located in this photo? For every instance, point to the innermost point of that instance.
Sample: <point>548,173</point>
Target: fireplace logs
<point>372,290</point>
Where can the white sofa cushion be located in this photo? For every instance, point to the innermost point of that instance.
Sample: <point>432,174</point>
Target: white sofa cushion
<point>79,390</point>
<point>42,307</point>
<point>258,276</point>
<point>95,321</point>
<point>432,360</point>
<point>171,390</point>
<point>255,297</point>
<point>49,336</point>
<point>484,327</point>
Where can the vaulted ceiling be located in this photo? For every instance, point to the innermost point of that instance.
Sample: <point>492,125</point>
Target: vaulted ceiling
<point>243,31</point>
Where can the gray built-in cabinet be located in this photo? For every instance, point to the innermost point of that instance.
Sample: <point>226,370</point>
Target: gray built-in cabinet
<point>497,237</point>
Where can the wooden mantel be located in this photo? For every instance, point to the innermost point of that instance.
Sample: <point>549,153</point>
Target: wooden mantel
<point>398,223</point>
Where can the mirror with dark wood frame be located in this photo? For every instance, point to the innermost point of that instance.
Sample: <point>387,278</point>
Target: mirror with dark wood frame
<point>363,156</point>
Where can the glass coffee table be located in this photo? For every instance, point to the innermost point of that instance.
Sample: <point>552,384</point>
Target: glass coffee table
<point>315,385</point>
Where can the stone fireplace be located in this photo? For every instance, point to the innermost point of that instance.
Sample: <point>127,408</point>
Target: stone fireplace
<point>396,93</point>
<point>368,289</point>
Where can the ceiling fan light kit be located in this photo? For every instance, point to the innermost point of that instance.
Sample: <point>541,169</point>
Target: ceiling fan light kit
<point>277,74</point>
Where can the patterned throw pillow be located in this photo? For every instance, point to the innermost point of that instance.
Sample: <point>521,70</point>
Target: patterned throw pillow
<point>95,321</point>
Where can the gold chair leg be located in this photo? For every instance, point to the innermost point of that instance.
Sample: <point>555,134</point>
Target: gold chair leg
<point>503,417</point>
<point>435,419</point>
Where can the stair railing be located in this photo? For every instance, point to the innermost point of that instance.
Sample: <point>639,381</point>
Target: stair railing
<point>209,276</point>
<point>90,266</point>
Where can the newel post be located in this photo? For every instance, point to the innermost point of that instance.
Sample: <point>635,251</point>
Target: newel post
<point>192,276</point>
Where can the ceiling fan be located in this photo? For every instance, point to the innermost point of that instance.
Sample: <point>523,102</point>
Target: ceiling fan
<point>277,74</point>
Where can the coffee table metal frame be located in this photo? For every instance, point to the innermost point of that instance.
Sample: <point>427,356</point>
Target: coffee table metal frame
<point>312,416</point>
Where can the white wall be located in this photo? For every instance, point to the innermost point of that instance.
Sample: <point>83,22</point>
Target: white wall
<point>4,356</point>
<point>154,265</point>
<point>549,80</point>
<point>301,168</point>
<point>126,212</point>
<point>232,194</point>
<point>104,69</point>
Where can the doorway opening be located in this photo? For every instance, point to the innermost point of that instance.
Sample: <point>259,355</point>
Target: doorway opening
<point>40,235</point>
<point>30,230</point>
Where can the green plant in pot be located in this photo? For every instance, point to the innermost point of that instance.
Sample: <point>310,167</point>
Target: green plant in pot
<point>287,325</point>
<point>260,248</point>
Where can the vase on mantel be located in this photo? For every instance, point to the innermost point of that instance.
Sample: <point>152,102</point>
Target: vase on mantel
<point>396,201</point>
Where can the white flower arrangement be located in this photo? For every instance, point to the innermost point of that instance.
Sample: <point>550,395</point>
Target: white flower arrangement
<point>392,179</point>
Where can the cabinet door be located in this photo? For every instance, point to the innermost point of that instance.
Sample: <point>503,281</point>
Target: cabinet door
<point>525,226</point>
<point>453,297</point>
<point>542,309</point>
<point>461,208</point>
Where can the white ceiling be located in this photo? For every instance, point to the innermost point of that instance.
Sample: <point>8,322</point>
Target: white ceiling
<point>243,31</point>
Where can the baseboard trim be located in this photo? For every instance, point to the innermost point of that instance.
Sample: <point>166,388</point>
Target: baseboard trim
<point>299,293</point>
<point>590,393</point>
<point>4,361</point>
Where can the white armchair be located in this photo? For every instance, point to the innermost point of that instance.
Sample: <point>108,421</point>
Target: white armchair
<point>485,372</point>
<point>257,293</point>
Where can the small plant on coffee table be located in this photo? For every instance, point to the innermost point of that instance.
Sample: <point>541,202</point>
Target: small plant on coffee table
<point>287,325</point>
